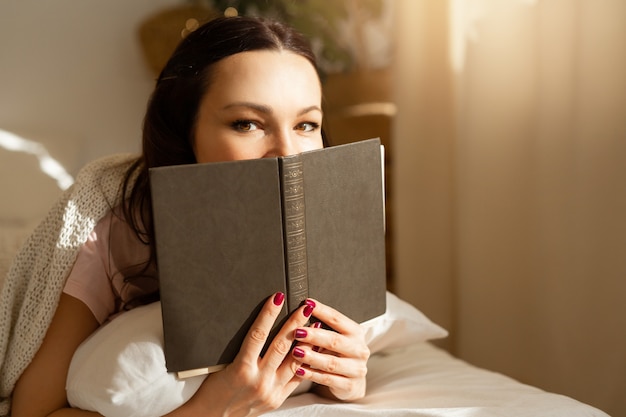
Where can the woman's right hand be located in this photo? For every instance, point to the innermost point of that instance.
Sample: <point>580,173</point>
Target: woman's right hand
<point>252,384</point>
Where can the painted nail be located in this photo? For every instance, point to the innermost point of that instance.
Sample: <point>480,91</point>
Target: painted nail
<point>300,333</point>
<point>298,353</point>
<point>278,298</point>
<point>308,310</point>
<point>300,372</point>
<point>310,303</point>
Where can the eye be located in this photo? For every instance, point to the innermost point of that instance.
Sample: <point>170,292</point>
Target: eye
<point>307,127</point>
<point>244,125</point>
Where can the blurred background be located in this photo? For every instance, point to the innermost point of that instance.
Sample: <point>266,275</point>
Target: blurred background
<point>505,128</point>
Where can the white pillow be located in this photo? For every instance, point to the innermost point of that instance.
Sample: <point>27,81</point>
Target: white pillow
<point>120,370</point>
<point>401,325</point>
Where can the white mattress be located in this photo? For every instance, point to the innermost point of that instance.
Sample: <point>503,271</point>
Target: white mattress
<point>423,380</point>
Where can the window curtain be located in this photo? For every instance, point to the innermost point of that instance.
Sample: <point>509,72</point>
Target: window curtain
<point>510,185</point>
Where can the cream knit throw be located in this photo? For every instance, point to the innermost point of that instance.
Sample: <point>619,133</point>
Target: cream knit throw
<point>35,281</point>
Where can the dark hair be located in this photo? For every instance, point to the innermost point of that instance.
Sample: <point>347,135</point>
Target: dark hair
<point>170,119</point>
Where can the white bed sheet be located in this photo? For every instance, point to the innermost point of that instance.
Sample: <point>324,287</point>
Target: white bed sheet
<point>423,380</point>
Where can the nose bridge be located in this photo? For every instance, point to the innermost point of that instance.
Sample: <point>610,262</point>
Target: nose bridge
<point>284,142</point>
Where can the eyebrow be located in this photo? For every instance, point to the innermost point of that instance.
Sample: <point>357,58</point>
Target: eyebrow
<point>267,109</point>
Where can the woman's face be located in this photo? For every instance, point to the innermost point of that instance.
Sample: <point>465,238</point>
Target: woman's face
<point>259,104</point>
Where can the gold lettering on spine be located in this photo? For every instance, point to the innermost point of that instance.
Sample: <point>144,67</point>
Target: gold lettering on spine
<point>295,236</point>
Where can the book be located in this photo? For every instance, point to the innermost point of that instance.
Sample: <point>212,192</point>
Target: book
<point>231,234</point>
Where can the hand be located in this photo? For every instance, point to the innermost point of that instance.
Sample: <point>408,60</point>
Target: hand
<point>252,384</point>
<point>336,359</point>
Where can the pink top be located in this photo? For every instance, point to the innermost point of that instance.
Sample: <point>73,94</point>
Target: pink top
<point>98,277</point>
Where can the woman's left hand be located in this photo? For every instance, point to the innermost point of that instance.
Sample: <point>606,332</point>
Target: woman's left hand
<point>334,359</point>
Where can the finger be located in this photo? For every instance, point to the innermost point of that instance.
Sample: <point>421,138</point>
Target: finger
<point>335,319</point>
<point>323,340</point>
<point>327,363</point>
<point>342,387</point>
<point>256,337</point>
<point>291,386</point>
<point>280,347</point>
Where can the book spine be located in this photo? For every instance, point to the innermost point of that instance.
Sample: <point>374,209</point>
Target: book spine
<point>294,231</point>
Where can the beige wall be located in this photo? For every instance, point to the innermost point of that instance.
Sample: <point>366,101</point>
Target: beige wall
<point>72,75</point>
<point>510,145</point>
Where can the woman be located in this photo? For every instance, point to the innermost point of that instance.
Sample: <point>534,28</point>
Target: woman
<point>237,88</point>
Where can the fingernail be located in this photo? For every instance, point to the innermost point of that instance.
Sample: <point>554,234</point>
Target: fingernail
<point>300,333</point>
<point>310,303</point>
<point>308,310</point>
<point>298,353</point>
<point>300,372</point>
<point>278,298</point>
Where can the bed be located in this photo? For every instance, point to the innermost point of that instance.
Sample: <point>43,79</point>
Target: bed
<point>120,370</point>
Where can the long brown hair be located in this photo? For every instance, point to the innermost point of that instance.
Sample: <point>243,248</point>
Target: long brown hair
<point>170,119</point>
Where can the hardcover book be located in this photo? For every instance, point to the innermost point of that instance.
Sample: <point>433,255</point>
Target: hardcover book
<point>231,234</point>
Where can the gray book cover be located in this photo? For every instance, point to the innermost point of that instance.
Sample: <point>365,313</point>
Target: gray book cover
<point>231,234</point>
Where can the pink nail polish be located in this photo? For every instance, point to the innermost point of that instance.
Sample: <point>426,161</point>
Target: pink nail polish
<point>300,372</point>
<point>298,353</point>
<point>310,303</point>
<point>308,310</point>
<point>278,298</point>
<point>300,333</point>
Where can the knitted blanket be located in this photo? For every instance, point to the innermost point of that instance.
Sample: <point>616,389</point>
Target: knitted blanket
<point>34,283</point>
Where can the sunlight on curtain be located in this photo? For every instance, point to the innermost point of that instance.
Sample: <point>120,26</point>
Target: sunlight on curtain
<point>531,151</point>
<point>464,17</point>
